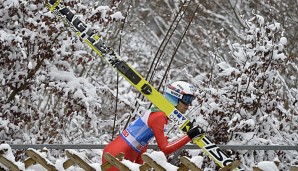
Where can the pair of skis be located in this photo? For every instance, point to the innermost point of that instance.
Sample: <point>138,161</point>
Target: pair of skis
<point>135,79</point>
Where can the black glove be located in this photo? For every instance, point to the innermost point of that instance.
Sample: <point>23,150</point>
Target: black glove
<point>190,124</point>
<point>195,132</point>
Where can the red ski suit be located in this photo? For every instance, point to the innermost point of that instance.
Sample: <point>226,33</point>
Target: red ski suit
<point>156,121</point>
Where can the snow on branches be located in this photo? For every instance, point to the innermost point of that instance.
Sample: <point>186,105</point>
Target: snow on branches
<point>248,100</point>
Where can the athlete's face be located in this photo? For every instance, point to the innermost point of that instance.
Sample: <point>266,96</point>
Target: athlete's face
<point>182,107</point>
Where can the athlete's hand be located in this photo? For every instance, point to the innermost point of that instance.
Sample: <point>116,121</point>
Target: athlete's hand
<point>195,132</point>
<point>191,124</point>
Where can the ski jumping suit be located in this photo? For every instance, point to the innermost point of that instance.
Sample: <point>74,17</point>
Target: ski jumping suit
<point>133,141</point>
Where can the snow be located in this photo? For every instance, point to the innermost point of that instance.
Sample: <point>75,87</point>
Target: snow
<point>157,156</point>
<point>260,19</point>
<point>117,16</point>
<point>11,3</point>
<point>9,155</point>
<point>161,159</point>
<point>267,166</point>
<point>30,65</point>
<point>283,41</point>
<point>132,166</point>
<point>197,160</point>
<point>245,91</point>
<point>33,7</point>
<point>278,56</point>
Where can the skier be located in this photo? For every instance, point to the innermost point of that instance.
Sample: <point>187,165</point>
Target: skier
<point>133,141</point>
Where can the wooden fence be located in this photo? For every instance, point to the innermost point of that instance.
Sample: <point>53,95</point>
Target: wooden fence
<point>74,159</point>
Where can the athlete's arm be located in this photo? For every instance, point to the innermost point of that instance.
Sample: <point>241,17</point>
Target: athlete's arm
<point>156,122</point>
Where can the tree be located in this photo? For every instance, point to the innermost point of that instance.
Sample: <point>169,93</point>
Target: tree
<point>50,89</point>
<point>247,100</point>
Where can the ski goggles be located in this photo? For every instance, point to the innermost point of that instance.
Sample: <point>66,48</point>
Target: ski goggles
<point>187,99</point>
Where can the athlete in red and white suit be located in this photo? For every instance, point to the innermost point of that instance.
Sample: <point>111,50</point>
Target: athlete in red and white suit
<point>133,141</point>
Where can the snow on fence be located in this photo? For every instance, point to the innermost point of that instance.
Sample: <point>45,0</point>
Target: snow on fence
<point>37,160</point>
<point>97,146</point>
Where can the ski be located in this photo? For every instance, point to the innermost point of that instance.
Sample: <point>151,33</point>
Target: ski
<point>134,78</point>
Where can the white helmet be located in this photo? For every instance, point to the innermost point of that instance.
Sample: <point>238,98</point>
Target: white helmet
<point>180,90</point>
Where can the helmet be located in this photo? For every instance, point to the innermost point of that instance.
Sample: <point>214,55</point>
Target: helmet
<point>180,90</point>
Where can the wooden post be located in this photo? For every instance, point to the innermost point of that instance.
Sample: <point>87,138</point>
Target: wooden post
<point>107,165</point>
<point>7,163</point>
<point>40,160</point>
<point>256,169</point>
<point>28,162</point>
<point>183,168</point>
<point>145,167</point>
<point>294,168</point>
<point>190,165</point>
<point>78,160</point>
<point>68,163</point>
<point>152,163</point>
<point>231,166</point>
<point>115,162</point>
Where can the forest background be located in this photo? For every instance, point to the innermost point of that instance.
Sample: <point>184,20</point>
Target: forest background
<point>241,55</point>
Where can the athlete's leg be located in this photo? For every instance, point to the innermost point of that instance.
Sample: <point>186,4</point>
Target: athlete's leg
<point>139,159</point>
<point>117,146</point>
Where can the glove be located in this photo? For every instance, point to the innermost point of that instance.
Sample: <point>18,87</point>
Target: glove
<point>195,132</point>
<point>190,124</point>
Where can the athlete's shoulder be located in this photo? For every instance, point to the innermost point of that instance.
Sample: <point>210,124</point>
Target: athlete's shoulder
<point>158,115</point>
<point>156,119</point>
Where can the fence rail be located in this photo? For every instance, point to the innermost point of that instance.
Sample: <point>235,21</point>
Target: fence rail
<point>94,146</point>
